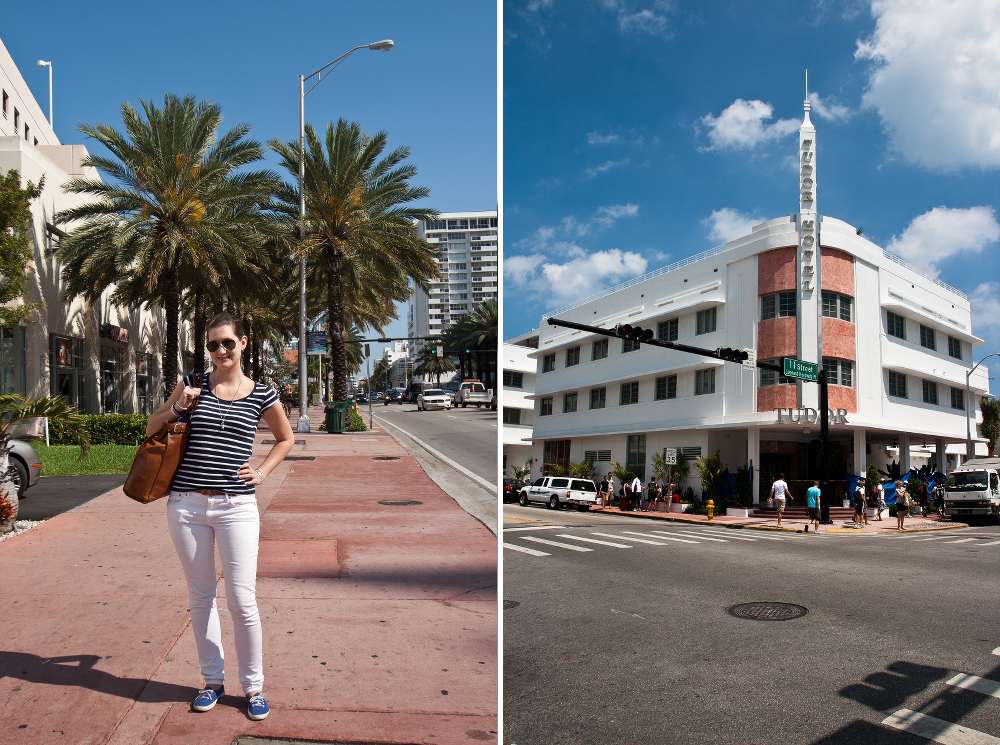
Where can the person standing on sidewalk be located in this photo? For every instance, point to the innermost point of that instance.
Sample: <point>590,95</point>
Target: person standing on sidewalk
<point>902,503</point>
<point>860,507</point>
<point>213,502</point>
<point>606,491</point>
<point>636,493</point>
<point>879,500</point>
<point>812,505</point>
<point>779,490</point>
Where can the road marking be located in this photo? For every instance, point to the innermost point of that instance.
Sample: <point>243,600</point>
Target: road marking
<point>962,540</point>
<point>934,538</point>
<point>693,535</point>
<point>627,538</point>
<point>727,535</point>
<point>657,537</point>
<point>977,684</point>
<point>525,550</point>
<point>627,614</point>
<point>991,543</point>
<point>445,458</point>
<point>937,730</point>
<point>533,527</point>
<point>555,543</point>
<point>592,540</point>
<point>768,537</point>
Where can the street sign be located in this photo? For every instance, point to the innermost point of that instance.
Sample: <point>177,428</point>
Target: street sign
<point>801,370</point>
<point>750,363</point>
<point>670,456</point>
<point>316,342</point>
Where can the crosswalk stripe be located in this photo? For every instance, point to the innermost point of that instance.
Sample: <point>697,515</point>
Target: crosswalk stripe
<point>657,537</point>
<point>692,535</point>
<point>637,540</point>
<point>938,730</point>
<point>977,684</point>
<point>727,535</point>
<point>996,651</point>
<point>533,527</point>
<point>546,541</point>
<point>592,540</point>
<point>961,540</point>
<point>991,543</point>
<point>525,550</point>
<point>768,537</point>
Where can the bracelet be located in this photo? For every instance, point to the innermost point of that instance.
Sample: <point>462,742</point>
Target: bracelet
<point>259,475</point>
<point>181,413</point>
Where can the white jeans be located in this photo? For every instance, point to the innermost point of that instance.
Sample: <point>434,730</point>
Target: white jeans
<point>197,523</point>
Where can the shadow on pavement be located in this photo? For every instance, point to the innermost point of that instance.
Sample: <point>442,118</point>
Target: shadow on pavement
<point>887,691</point>
<point>53,495</point>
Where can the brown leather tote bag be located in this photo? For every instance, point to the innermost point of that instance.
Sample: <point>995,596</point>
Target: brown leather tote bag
<point>158,458</point>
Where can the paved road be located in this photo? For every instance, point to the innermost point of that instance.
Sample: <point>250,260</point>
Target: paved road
<point>622,633</point>
<point>53,495</point>
<point>467,436</point>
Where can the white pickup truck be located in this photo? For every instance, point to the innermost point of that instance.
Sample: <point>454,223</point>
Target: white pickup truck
<point>472,392</point>
<point>555,491</point>
<point>974,489</point>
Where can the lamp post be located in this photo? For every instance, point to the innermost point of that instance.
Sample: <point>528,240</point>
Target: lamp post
<point>43,63</point>
<point>385,45</point>
<point>968,407</point>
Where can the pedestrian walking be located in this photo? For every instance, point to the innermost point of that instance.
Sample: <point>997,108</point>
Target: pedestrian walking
<point>287,400</point>
<point>636,493</point>
<point>653,495</point>
<point>812,505</point>
<point>213,503</point>
<point>879,500</point>
<point>860,506</point>
<point>606,491</point>
<point>902,503</point>
<point>939,500</point>
<point>779,492</point>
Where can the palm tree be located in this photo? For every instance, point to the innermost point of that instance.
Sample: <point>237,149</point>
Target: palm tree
<point>430,363</point>
<point>173,207</point>
<point>483,335</point>
<point>361,239</point>
<point>380,372</point>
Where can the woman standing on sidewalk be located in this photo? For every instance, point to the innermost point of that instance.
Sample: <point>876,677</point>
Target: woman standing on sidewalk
<point>902,504</point>
<point>213,502</point>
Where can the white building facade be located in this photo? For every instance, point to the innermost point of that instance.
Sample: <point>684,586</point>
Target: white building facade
<point>518,413</point>
<point>895,341</point>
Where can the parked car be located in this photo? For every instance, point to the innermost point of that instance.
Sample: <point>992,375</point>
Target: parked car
<point>555,491</point>
<point>393,395</point>
<point>27,466</point>
<point>511,487</point>
<point>433,398</point>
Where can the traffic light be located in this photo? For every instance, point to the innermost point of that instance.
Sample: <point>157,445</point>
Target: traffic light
<point>468,351</point>
<point>638,333</point>
<point>732,355</point>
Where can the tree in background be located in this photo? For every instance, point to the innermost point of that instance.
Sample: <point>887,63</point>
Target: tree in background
<point>521,472</point>
<point>380,372</point>
<point>15,247</point>
<point>430,363</point>
<point>990,428</point>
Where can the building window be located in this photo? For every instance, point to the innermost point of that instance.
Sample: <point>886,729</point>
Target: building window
<point>706,321</point>
<point>5,99</point>
<point>666,387</point>
<point>635,455</point>
<point>837,306</point>
<point>513,379</point>
<point>780,304</point>
<point>569,403</point>
<point>549,362</point>
<point>112,378</point>
<point>771,377</point>
<point>555,453</point>
<point>600,350</point>
<point>598,456</point>
<point>458,225</point>
<point>144,383</point>
<point>13,360</point>
<point>17,120</point>
<point>830,368</point>
<point>895,325</point>
<point>572,356</point>
<point>927,337</point>
<point>667,330</point>
<point>597,397</point>
<point>546,407</point>
<point>704,381</point>
<point>435,225</point>
<point>846,373</point>
<point>838,372</point>
<point>897,385</point>
<point>511,416</point>
<point>66,370</point>
<point>26,132</point>
<point>954,347</point>
<point>630,394</point>
<point>629,345</point>
<point>930,393</point>
<point>958,399</point>
<point>767,307</point>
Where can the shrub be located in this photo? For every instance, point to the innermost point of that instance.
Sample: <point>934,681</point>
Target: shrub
<point>104,429</point>
<point>355,422</point>
<point>741,490</point>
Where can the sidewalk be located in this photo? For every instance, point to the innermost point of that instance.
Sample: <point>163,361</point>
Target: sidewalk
<point>380,622</point>
<point>796,524</point>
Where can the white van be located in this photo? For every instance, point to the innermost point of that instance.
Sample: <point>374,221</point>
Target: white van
<point>974,489</point>
<point>555,491</point>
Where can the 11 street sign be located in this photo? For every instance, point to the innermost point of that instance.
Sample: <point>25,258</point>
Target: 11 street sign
<point>801,370</point>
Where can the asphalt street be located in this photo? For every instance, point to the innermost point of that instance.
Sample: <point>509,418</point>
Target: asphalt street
<point>467,436</point>
<point>617,630</point>
<point>53,495</point>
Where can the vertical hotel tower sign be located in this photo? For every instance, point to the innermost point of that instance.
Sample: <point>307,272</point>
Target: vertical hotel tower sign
<point>808,222</point>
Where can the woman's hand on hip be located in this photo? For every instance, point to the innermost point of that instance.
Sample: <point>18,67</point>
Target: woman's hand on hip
<point>249,475</point>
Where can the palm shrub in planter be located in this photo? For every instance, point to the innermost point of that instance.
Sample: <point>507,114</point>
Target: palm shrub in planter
<point>710,471</point>
<point>741,489</point>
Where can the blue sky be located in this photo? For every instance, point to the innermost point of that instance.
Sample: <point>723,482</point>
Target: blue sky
<point>434,92</point>
<point>640,132</point>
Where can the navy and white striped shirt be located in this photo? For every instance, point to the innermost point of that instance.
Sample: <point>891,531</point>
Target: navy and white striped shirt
<point>214,454</point>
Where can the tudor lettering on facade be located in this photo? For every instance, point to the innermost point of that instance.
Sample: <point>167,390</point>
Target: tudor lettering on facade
<point>809,416</point>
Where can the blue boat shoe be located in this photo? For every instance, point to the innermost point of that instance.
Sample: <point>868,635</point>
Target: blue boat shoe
<point>207,698</point>
<point>257,706</point>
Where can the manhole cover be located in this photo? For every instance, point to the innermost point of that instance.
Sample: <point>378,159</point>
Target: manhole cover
<point>768,611</point>
<point>399,502</point>
<point>386,457</point>
<point>508,604</point>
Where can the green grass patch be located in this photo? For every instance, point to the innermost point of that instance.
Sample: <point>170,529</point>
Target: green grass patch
<point>62,460</point>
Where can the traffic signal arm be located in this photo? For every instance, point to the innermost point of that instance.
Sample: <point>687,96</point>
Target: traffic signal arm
<point>623,332</point>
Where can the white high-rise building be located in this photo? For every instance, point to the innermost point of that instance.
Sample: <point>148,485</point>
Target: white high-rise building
<point>469,271</point>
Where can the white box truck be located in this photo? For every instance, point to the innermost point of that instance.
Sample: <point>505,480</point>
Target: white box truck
<point>974,489</point>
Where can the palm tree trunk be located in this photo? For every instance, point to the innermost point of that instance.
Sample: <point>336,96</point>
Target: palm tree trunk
<point>256,351</point>
<point>199,329</point>
<point>335,316</point>
<point>171,308</point>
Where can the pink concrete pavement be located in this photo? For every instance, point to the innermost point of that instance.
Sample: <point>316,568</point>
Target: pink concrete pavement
<point>380,622</point>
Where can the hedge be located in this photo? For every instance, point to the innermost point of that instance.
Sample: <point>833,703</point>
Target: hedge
<point>105,429</point>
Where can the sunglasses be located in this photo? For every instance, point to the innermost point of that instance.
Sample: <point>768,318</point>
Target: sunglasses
<point>229,344</point>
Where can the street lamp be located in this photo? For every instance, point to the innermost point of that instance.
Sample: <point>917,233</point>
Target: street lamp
<point>968,406</point>
<point>43,63</point>
<point>385,45</point>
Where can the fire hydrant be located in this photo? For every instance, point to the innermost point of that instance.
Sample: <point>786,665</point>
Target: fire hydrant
<point>711,509</point>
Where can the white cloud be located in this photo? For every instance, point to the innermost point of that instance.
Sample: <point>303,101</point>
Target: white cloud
<point>728,224</point>
<point>535,5</point>
<point>828,108</point>
<point>602,219</point>
<point>985,302</point>
<point>605,166</point>
<point>596,138</point>
<point>653,20</point>
<point>518,269</point>
<point>741,126</point>
<point>939,234</point>
<point>583,274</point>
<point>606,216</point>
<point>935,80</point>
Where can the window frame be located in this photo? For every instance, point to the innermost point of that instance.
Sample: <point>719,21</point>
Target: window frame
<point>702,321</point>
<point>630,345</point>
<point>601,345</point>
<point>573,356</point>
<point>667,330</point>
<point>633,394</point>
<point>549,363</point>
<point>667,386</point>
<point>545,406</point>
<point>897,381</point>
<point>893,322</point>
<point>602,397</point>
<point>927,335</point>
<point>960,394</point>
<point>929,392</point>
<point>701,382</point>
<point>772,377</point>
<point>508,415</point>
<point>510,376</point>
<point>568,399</point>
<point>953,346</point>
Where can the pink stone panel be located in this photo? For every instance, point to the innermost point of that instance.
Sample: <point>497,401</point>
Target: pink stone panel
<point>837,271</point>
<point>841,398</point>
<point>838,339</point>
<point>776,338</point>
<point>777,396</point>
<point>776,270</point>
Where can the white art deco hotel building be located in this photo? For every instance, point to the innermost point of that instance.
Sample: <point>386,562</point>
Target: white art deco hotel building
<point>896,343</point>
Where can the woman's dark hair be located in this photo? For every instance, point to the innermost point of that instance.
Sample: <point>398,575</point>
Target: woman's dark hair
<point>227,319</point>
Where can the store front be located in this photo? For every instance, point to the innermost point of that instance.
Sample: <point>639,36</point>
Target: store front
<point>801,462</point>
<point>67,376</point>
